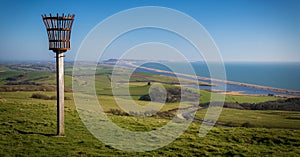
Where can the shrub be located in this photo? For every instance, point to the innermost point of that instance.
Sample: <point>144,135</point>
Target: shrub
<point>15,78</point>
<point>247,125</point>
<point>14,88</point>
<point>145,97</point>
<point>231,124</point>
<point>148,113</point>
<point>172,95</point>
<point>118,112</point>
<point>169,114</point>
<point>290,104</point>
<point>40,96</point>
<point>45,97</point>
<point>143,114</point>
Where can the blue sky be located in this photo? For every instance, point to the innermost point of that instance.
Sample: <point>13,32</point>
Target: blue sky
<point>244,30</point>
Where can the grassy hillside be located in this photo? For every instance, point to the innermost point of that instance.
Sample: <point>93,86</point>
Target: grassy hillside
<point>258,118</point>
<point>28,128</point>
<point>28,125</point>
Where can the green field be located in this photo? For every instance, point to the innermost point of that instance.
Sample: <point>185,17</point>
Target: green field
<point>28,125</point>
<point>258,118</point>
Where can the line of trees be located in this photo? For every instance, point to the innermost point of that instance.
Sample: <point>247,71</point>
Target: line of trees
<point>290,104</point>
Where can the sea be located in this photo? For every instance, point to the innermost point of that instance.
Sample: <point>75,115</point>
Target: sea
<point>283,75</point>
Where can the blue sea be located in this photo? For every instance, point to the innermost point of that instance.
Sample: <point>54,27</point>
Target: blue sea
<point>278,75</point>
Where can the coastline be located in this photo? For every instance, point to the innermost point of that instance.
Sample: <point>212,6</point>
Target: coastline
<point>286,91</point>
<point>290,93</point>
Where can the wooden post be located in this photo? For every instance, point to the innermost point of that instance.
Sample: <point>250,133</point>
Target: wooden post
<point>60,93</point>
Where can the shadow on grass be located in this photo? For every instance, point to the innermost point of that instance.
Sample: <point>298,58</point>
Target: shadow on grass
<point>30,132</point>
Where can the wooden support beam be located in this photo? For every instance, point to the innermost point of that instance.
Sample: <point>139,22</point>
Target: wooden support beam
<point>60,93</point>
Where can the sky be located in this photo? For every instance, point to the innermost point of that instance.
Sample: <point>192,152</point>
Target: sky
<point>243,30</point>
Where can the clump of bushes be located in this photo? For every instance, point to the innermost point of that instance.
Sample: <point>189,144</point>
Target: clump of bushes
<point>245,125</point>
<point>46,97</point>
<point>22,83</point>
<point>290,104</point>
<point>248,125</point>
<point>231,124</point>
<point>40,96</point>
<point>15,78</point>
<point>27,88</point>
<point>142,114</point>
<point>172,95</point>
<point>122,113</point>
<point>118,112</point>
<point>169,114</point>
